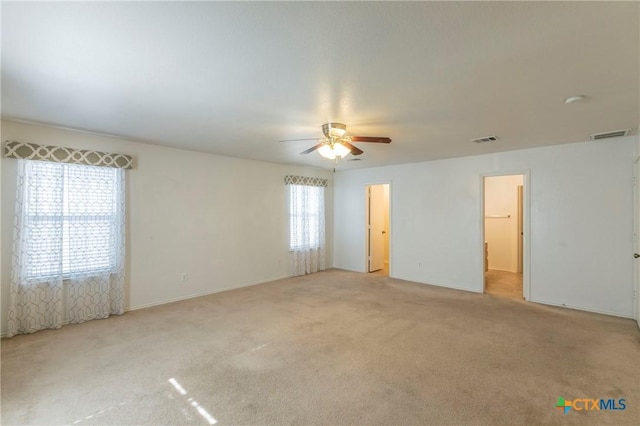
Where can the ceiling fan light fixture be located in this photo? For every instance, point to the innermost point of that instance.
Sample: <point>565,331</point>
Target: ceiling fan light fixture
<point>340,150</point>
<point>331,151</point>
<point>336,144</point>
<point>327,152</point>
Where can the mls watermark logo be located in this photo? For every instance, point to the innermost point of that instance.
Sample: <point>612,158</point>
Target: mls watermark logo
<point>588,404</point>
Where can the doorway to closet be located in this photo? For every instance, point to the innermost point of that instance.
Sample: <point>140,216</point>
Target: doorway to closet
<point>504,235</point>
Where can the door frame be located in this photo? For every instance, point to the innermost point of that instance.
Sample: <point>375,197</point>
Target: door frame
<point>636,239</point>
<point>526,227</point>
<point>366,224</point>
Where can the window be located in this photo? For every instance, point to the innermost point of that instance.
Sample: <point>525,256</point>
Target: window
<point>72,219</point>
<point>306,217</point>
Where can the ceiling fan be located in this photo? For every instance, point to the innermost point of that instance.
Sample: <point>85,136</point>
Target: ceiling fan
<point>336,144</point>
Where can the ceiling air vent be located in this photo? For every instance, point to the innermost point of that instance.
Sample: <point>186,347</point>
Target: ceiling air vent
<point>614,134</point>
<point>485,139</point>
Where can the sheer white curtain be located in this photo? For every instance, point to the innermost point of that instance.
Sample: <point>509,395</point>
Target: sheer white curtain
<point>68,260</point>
<point>307,239</point>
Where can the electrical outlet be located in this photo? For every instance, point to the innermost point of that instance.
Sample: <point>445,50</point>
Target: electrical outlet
<point>183,277</point>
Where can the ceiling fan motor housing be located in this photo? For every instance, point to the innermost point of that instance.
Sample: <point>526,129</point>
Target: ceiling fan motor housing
<point>334,130</point>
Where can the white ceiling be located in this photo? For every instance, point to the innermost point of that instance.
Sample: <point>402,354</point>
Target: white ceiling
<point>235,78</point>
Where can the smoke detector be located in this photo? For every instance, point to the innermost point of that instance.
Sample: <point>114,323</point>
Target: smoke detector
<point>576,98</point>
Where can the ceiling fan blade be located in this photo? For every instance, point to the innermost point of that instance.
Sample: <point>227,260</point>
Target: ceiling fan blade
<point>370,139</point>
<point>296,140</point>
<point>354,149</point>
<point>313,148</point>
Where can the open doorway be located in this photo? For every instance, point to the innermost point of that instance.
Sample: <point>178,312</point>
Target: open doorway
<point>377,232</point>
<point>504,235</point>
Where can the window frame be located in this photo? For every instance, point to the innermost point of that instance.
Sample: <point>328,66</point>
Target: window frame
<point>31,273</point>
<point>296,218</point>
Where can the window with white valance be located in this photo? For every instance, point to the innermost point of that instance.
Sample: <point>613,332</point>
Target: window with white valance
<point>70,219</point>
<point>306,223</point>
<point>68,252</point>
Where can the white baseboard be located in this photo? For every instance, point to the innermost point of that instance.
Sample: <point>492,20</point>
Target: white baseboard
<point>349,269</point>
<point>249,284</point>
<point>440,285</point>
<point>503,270</point>
<point>206,293</point>
<point>581,308</point>
<point>191,296</point>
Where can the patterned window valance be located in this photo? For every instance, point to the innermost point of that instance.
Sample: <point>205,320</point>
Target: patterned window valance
<point>308,181</point>
<point>32,151</point>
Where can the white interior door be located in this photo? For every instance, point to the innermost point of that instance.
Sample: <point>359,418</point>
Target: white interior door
<point>520,226</point>
<point>636,239</point>
<point>376,206</point>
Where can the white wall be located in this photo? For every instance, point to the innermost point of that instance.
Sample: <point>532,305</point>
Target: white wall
<point>222,220</point>
<point>581,221</point>
<point>501,233</point>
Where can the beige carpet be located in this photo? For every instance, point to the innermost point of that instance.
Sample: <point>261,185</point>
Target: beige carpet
<point>330,348</point>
